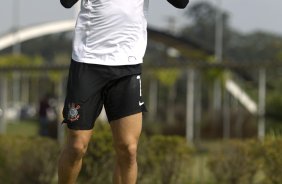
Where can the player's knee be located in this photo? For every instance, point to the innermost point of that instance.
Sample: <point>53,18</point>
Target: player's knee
<point>126,152</point>
<point>76,150</point>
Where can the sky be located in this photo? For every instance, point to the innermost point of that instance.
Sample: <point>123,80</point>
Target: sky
<point>245,15</point>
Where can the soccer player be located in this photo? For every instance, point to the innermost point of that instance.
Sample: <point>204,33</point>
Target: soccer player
<point>109,43</point>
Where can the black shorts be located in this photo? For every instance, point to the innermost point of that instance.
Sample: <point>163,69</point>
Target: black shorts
<point>90,87</point>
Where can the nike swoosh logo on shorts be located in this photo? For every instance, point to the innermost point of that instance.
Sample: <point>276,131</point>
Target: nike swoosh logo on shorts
<point>141,103</point>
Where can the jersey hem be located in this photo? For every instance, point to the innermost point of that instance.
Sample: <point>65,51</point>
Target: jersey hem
<point>107,63</point>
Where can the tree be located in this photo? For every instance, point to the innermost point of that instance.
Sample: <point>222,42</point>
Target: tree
<point>202,28</point>
<point>237,46</point>
<point>256,46</point>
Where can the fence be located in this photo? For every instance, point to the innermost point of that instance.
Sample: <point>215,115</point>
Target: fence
<point>196,98</point>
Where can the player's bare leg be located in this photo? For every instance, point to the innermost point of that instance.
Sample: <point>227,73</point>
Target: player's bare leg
<point>126,132</point>
<point>71,157</point>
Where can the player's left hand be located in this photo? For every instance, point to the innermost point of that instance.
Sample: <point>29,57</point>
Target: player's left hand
<point>179,3</point>
<point>68,3</point>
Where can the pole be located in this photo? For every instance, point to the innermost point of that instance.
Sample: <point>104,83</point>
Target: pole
<point>218,54</point>
<point>226,115</point>
<point>190,105</point>
<point>217,95</point>
<point>16,20</point>
<point>25,88</point>
<point>218,32</point>
<point>16,87</point>
<point>153,99</point>
<point>198,108</point>
<point>261,104</point>
<point>171,106</point>
<point>3,103</point>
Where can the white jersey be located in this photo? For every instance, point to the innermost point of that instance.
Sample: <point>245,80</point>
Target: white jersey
<point>111,32</point>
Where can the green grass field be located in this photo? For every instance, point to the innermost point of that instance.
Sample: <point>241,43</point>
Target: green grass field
<point>23,128</point>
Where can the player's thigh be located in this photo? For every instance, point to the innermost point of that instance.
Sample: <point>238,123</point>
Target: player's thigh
<point>126,131</point>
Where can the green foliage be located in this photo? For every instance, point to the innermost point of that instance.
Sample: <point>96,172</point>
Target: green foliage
<point>247,47</point>
<point>20,60</point>
<point>55,76</point>
<point>236,162</point>
<point>29,61</point>
<point>27,160</point>
<point>14,61</point>
<point>212,74</point>
<point>272,157</point>
<point>167,76</point>
<point>279,56</point>
<point>247,162</point>
<point>274,106</point>
<point>162,160</point>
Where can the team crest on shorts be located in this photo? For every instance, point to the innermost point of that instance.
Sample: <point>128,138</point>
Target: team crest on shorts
<point>73,114</point>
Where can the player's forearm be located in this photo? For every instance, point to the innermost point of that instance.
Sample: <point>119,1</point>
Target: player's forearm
<point>68,3</point>
<point>179,3</point>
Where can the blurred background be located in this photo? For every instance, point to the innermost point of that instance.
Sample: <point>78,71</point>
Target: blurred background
<point>211,83</point>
